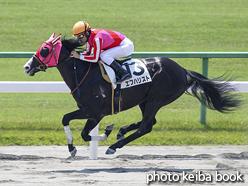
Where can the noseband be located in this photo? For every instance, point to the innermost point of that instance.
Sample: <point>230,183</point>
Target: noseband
<point>42,66</point>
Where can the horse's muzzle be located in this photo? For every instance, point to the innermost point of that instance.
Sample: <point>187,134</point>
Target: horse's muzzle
<point>32,71</point>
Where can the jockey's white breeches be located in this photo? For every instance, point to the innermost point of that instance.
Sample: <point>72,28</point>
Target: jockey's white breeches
<point>125,49</point>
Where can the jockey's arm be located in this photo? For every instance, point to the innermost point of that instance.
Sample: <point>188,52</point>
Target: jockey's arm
<point>88,50</point>
<point>97,44</point>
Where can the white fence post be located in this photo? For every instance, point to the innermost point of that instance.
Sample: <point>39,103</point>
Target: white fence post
<point>94,144</point>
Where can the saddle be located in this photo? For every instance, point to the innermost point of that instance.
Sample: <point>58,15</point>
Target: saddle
<point>137,69</point>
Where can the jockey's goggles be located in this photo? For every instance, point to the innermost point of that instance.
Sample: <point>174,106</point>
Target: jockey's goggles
<point>80,37</point>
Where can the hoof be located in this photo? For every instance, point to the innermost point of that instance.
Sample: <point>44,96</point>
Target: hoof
<point>110,151</point>
<point>73,152</point>
<point>108,129</point>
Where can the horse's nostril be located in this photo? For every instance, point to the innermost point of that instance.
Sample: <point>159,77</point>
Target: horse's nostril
<point>26,67</point>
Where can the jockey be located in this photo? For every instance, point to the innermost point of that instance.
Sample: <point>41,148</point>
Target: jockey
<point>108,45</point>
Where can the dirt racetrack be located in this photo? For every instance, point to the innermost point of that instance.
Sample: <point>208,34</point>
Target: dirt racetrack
<point>131,165</point>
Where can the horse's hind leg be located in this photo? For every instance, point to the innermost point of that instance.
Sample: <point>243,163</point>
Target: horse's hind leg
<point>144,128</point>
<point>134,126</point>
<point>153,104</point>
<point>128,128</point>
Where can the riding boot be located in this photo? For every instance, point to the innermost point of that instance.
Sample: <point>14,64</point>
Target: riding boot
<point>121,73</point>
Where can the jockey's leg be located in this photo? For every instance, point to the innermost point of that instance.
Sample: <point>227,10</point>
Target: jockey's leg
<point>126,48</point>
<point>121,73</point>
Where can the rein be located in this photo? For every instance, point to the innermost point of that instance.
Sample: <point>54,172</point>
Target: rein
<point>44,65</point>
<point>77,87</point>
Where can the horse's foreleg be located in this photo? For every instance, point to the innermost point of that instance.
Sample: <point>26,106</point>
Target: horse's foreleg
<point>69,140</point>
<point>82,113</point>
<point>90,125</point>
<point>108,129</point>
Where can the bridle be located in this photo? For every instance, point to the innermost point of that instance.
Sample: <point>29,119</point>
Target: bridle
<point>43,66</point>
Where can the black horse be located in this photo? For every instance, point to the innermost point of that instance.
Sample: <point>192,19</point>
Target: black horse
<point>93,96</point>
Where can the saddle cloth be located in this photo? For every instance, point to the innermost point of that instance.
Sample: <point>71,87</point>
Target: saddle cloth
<point>136,68</point>
<point>140,75</point>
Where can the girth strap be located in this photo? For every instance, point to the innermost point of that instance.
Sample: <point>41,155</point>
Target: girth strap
<point>117,94</point>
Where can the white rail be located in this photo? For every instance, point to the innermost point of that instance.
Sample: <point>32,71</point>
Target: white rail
<point>61,87</point>
<point>33,87</point>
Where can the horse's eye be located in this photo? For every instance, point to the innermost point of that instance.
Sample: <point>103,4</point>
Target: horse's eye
<point>44,51</point>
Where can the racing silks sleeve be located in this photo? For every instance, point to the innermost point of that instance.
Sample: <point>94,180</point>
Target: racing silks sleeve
<point>97,44</point>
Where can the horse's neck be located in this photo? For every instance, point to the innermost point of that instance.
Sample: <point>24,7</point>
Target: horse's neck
<point>67,72</point>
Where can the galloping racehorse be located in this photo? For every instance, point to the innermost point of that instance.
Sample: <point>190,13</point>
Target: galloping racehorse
<point>93,93</point>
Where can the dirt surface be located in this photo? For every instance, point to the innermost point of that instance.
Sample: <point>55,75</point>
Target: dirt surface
<point>131,165</point>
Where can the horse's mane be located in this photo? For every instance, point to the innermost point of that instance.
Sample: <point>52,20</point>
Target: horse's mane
<point>71,44</point>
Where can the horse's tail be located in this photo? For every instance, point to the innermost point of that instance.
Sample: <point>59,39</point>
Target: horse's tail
<point>216,91</point>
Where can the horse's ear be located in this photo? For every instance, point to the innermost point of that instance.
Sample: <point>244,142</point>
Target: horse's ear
<point>52,36</point>
<point>56,39</point>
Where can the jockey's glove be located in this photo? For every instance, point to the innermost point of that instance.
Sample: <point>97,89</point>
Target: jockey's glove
<point>75,54</point>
